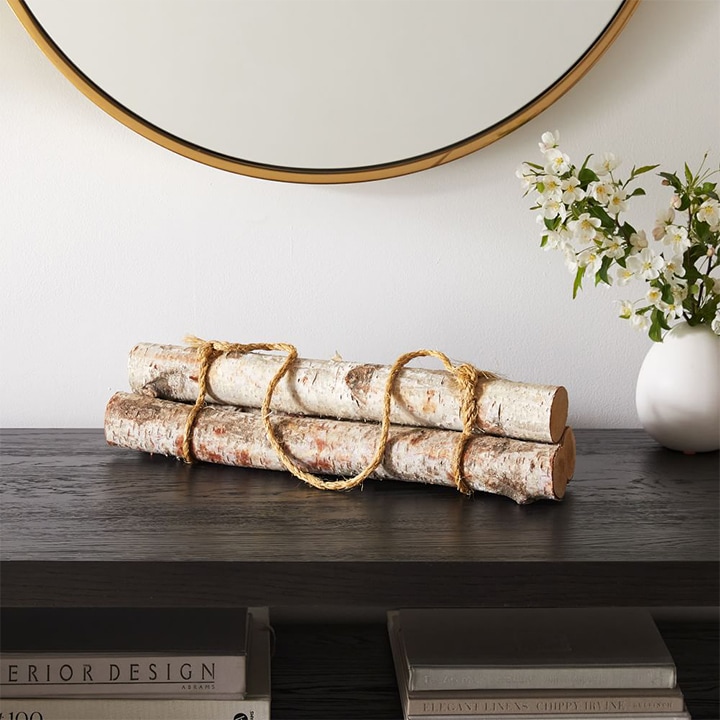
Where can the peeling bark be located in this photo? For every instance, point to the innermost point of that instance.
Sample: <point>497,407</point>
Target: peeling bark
<point>352,391</point>
<point>522,470</point>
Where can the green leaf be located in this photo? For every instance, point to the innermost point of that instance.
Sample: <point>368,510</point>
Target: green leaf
<point>643,169</point>
<point>636,192</point>
<point>706,188</point>
<point>688,304</point>
<point>534,165</point>
<point>707,312</point>
<point>655,332</point>
<point>586,176</point>
<point>684,202</point>
<point>627,231</point>
<point>672,179</point>
<point>602,274</point>
<point>577,285</point>
<point>600,213</point>
<point>544,240</point>
<point>702,231</point>
<point>694,253</point>
<point>657,324</point>
<point>667,295</point>
<point>688,175</point>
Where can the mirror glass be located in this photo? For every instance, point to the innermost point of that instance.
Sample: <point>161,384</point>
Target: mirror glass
<point>322,87</point>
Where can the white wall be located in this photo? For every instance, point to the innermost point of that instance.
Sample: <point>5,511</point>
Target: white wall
<point>107,239</point>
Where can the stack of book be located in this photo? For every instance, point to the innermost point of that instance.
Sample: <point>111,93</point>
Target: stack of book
<point>533,664</point>
<point>139,663</point>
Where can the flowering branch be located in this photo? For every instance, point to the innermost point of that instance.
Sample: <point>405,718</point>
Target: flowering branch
<point>580,213</point>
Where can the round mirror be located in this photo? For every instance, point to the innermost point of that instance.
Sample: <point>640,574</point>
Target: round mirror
<point>324,90</point>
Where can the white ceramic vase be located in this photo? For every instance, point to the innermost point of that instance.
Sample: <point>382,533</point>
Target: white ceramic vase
<point>678,390</point>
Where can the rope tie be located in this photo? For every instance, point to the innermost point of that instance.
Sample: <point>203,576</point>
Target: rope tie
<point>466,376</point>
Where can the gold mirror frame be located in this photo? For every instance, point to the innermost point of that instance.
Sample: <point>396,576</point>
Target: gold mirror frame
<point>299,175</point>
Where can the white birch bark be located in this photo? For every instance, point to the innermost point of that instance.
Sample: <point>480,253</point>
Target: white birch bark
<point>352,391</point>
<point>522,470</point>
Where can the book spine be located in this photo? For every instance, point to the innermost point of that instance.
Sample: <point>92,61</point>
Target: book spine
<point>127,709</point>
<point>121,676</point>
<point>543,716</point>
<point>562,705</point>
<point>656,677</point>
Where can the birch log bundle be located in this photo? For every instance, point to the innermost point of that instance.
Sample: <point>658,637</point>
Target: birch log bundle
<point>351,391</point>
<point>522,470</point>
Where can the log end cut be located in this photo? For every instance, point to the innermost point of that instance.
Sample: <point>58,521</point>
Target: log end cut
<point>558,414</point>
<point>564,463</point>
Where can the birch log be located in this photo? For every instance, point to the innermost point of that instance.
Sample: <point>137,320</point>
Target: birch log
<point>351,391</point>
<point>522,470</point>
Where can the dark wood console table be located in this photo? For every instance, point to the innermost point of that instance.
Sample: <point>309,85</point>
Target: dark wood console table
<point>84,524</point>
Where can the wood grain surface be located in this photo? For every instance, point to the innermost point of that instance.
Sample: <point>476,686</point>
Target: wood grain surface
<point>84,523</point>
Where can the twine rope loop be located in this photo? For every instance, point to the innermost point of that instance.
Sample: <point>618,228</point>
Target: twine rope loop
<point>467,377</point>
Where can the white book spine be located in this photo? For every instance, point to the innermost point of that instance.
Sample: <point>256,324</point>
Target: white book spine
<point>594,716</point>
<point>112,676</point>
<point>127,709</point>
<point>551,678</point>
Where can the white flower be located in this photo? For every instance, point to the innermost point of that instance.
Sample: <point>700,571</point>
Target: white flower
<point>551,208</point>
<point>590,258</point>
<point>640,322</point>
<point>526,176</point>
<point>572,192</point>
<point>556,162</point>
<point>585,227</point>
<point>674,267</point>
<point>549,140</point>
<point>557,239</point>
<point>625,275</point>
<point>664,218</point>
<point>677,237</point>
<point>617,202</point>
<point>626,309</point>
<point>601,191</point>
<point>571,262</point>
<point>716,287</point>
<point>679,291</point>
<point>715,324</point>
<point>672,310</point>
<point>606,164</point>
<point>550,187</point>
<point>639,240</point>
<point>654,296</point>
<point>613,246</point>
<point>709,212</point>
<point>645,264</point>
<point>552,240</point>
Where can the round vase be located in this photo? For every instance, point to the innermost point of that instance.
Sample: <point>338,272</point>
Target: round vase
<point>678,390</point>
